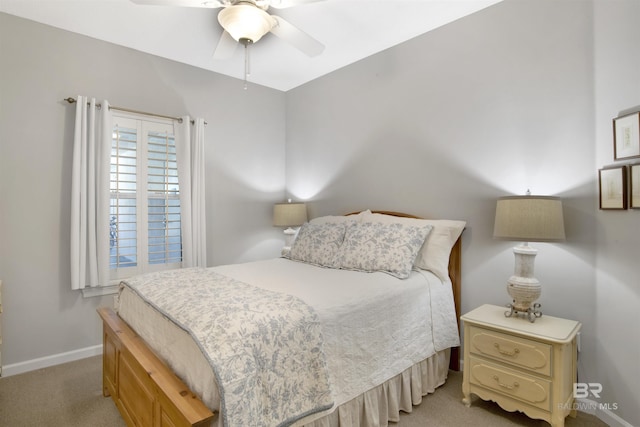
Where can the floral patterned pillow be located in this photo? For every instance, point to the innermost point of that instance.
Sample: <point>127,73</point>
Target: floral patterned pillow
<point>389,248</point>
<point>318,244</point>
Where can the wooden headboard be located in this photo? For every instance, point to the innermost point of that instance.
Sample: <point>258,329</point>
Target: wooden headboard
<point>455,269</point>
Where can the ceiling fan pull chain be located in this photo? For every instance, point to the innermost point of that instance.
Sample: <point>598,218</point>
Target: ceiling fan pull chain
<point>247,69</point>
<point>247,63</point>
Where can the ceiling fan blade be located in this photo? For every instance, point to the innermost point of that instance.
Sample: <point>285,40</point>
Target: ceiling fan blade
<point>183,3</point>
<point>226,47</point>
<point>281,4</point>
<point>296,37</point>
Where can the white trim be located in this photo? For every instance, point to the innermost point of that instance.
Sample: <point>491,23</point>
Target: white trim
<point>98,291</point>
<point>611,419</point>
<point>601,412</point>
<point>54,359</point>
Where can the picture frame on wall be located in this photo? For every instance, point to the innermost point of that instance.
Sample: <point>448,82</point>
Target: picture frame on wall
<point>613,187</point>
<point>626,136</point>
<point>634,190</point>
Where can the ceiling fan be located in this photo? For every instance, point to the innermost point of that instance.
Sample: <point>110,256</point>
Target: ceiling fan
<point>246,21</point>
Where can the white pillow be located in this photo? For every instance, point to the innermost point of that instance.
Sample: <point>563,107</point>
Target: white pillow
<point>434,254</point>
<point>389,248</point>
<point>318,244</point>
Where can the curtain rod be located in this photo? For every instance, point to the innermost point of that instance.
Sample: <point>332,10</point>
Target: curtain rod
<point>71,100</point>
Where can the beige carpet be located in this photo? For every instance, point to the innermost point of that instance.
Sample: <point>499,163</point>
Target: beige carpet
<point>71,395</point>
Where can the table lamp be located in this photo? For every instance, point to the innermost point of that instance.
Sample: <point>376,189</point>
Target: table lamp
<point>527,219</point>
<point>289,215</point>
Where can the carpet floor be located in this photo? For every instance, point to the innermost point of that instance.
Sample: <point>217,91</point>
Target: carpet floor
<point>70,395</point>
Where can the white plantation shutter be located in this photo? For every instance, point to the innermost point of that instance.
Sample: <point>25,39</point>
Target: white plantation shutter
<point>164,240</point>
<point>145,233</point>
<point>123,190</point>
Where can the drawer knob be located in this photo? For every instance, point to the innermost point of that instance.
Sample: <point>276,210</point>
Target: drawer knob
<point>507,386</point>
<point>506,352</point>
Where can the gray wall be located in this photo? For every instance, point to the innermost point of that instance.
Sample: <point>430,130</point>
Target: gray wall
<point>617,92</point>
<point>40,66</point>
<point>491,105</point>
<point>518,96</point>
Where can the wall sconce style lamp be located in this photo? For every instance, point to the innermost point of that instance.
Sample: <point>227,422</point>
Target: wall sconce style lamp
<point>527,219</point>
<point>289,215</point>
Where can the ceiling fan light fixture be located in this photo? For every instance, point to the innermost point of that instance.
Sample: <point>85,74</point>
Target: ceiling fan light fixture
<point>245,21</point>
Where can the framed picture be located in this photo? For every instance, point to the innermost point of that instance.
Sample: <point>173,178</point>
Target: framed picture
<point>634,191</point>
<point>626,136</point>
<point>613,187</point>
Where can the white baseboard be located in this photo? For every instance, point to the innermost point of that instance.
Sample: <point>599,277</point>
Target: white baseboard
<point>54,359</point>
<point>603,412</point>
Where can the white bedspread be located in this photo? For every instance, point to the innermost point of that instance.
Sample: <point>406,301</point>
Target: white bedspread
<point>374,325</point>
<point>264,347</point>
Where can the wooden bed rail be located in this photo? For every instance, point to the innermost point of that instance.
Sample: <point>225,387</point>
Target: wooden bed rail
<point>146,393</point>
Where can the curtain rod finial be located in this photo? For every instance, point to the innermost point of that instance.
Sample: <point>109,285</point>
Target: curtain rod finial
<point>69,100</point>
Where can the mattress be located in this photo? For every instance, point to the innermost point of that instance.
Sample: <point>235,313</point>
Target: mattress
<point>375,326</point>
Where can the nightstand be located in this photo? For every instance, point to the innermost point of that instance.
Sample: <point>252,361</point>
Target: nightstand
<point>522,366</point>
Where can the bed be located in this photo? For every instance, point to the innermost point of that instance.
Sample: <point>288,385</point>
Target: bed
<point>342,363</point>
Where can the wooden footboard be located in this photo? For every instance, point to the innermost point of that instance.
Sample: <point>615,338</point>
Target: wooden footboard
<point>145,391</point>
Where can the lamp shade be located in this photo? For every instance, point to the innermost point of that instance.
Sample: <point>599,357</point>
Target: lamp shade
<point>245,21</point>
<point>529,219</point>
<point>289,214</point>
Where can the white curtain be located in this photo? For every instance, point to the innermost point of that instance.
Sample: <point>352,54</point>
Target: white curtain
<point>190,157</point>
<point>90,195</point>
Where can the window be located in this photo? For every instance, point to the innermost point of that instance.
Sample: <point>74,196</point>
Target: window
<point>145,197</point>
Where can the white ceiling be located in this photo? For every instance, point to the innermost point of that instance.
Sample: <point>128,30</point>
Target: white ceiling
<point>350,30</point>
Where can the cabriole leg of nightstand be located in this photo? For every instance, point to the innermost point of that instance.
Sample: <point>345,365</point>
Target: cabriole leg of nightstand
<point>466,387</point>
<point>467,400</point>
<point>466,392</point>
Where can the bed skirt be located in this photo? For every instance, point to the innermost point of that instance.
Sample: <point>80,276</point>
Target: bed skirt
<point>382,404</point>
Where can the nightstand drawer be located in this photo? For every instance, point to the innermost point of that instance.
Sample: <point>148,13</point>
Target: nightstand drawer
<point>520,352</point>
<point>518,385</point>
